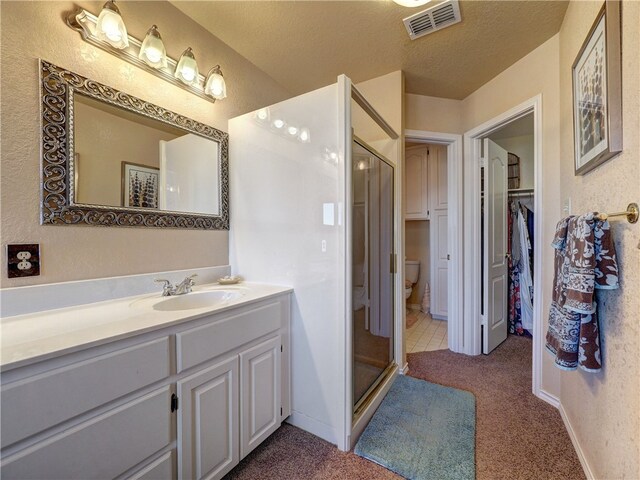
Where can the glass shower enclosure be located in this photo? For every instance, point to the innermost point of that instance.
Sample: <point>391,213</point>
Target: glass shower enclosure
<point>372,263</point>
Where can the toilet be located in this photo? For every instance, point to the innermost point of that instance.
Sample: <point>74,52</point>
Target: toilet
<point>411,272</point>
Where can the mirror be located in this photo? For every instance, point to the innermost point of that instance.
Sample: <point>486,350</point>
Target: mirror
<point>112,159</point>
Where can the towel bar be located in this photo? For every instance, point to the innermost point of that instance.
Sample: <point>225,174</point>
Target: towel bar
<point>631,213</point>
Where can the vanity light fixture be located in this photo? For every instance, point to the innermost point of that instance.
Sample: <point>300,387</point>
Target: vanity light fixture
<point>152,50</point>
<point>292,130</point>
<point>215,85</point>
<point>110,27</point>
<point>187,69</point>
<point>108,32</point>
<point>278,123</point>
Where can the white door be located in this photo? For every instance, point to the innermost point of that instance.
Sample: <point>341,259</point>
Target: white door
<point>495,246</point>
<point>189,169</point>
<point>208,422</point>
<point>439,263</point>
<point>261,408</point>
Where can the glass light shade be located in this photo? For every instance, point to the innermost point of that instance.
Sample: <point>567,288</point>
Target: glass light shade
<point>263,114</point>
<point>278,123</point>
<point>292,130</point>
<point>187,69</point>
<point>152,50</point>
<point>305,135</point>
<point>411,3</point>
<point>215,85</point>
<point>110,26</point>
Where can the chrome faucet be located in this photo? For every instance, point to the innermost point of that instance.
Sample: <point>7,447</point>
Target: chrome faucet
<point>185,285</point>
<point>181,288</point>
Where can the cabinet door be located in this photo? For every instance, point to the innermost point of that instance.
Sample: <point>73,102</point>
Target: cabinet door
<point>260,393</point>
<point>438,177</point>
<point>416,189</point>
<point>208,425</point>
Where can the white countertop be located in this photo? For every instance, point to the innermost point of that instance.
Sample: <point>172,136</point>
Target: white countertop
<point>25,339</point>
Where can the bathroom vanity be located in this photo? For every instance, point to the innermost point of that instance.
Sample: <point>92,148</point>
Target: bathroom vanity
<point>145,387</point>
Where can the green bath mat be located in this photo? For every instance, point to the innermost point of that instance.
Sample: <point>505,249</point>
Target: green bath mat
<point>423,431</point>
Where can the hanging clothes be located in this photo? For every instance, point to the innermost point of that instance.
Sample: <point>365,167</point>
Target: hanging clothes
<point>585,260</point>
<point>520,266</point>
<point>513,249</point>
<point>526,279</point>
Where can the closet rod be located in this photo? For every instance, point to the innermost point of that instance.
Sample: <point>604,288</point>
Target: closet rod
<point>632,212</point>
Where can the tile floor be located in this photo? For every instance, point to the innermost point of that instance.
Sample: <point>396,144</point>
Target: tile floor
<point>426,334</point>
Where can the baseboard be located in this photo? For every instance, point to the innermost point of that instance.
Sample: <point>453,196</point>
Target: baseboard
<point>439,317</point>
<point>576,445</point>
<point>547,397</point>
<point>404,370</point>
<point>313,426</point>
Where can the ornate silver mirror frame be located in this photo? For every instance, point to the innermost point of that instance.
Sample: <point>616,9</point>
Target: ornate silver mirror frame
<point>58,207</point>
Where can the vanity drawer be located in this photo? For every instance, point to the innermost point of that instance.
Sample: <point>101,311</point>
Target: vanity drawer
<point>203,343</point>
<point>103,447</point>
<point>47,399</point>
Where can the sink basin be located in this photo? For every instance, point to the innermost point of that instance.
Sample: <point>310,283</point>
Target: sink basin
<point>201,299</point>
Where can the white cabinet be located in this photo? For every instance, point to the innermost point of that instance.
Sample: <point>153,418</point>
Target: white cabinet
<point>416,174</point>
<point>186,401</point>
<point>208,423</point>
<point>437,188</point>
<point>260,393</point>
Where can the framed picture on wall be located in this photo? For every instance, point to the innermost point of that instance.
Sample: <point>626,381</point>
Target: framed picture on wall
<point>597,92</point>
<point>140,185</point>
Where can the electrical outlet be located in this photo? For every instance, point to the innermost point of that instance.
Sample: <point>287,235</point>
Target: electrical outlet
<point>23,260</point>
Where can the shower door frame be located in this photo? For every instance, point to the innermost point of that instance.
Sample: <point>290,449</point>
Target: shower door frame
<point>354,426</point>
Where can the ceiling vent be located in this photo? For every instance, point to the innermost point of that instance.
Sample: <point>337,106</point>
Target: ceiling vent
<point>433,19</point>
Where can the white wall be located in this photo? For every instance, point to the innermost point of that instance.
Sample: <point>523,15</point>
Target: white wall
<point>279,189</point>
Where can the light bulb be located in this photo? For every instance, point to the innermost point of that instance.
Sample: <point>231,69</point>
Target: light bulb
<point>292,130</point>
<point>263,114</point>
<point>152,50</point>
<point>305,136</point>
<point>278,123</point>
<point>215,84</point>
<point>187,69</point>
<point>110,27</point>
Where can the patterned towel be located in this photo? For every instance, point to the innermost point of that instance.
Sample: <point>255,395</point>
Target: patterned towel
<point>585,260</point>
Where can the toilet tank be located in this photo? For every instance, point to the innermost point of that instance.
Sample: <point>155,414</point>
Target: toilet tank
<point>411,270</point>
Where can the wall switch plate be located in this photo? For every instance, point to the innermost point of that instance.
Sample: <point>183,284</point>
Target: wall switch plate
<point>23,260</point>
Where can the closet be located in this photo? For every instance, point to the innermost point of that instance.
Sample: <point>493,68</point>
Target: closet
<point>507,201</point>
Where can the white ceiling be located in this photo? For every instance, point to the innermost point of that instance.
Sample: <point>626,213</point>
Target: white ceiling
<point>304,45</point>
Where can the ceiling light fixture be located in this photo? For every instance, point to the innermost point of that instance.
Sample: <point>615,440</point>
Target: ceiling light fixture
<point>305,136</point>
<point>215,84</point>
<point>263,114</point>
<point>278,123</point>
<point>187,69</point>
<point>411,3</point>
<point>152,50</point>
<point>110,27</point>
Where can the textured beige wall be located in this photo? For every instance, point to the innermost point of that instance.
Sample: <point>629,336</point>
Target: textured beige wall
<point>604,408</point>
<point>537,73</point>
<point>433,114</point>
<point>37,29</point>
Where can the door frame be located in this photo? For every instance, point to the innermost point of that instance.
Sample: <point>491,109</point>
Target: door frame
<point>453,142</point>
<point>472,231</point>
